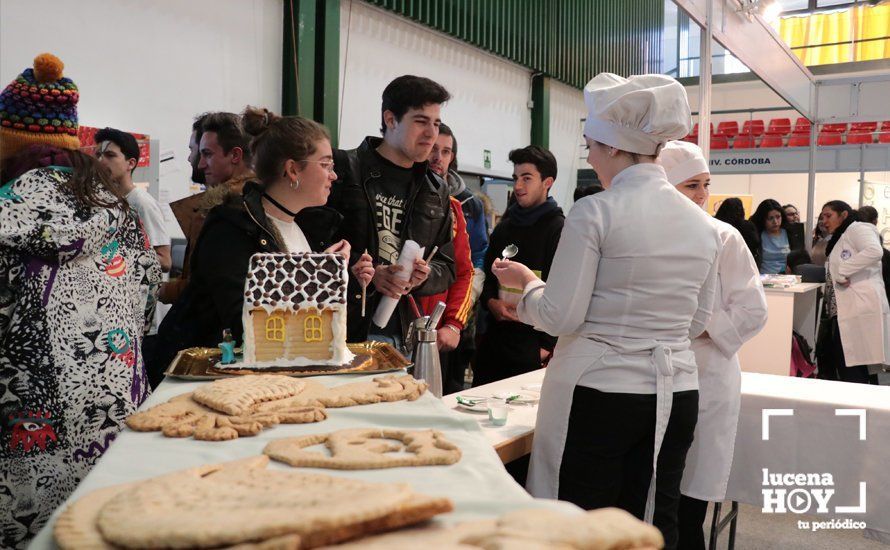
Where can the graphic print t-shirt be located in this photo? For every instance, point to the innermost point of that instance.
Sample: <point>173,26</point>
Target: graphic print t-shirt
<point>390,198</point>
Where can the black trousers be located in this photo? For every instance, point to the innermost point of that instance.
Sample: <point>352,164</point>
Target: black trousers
<point>691,521</point>
<point>607,460</point>
<point>453,370</point>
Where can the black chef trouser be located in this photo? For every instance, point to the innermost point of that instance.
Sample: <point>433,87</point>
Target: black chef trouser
<point>607,460</point>
<point>693,513</point>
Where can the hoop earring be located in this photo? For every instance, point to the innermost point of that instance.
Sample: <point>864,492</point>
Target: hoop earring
<point>295,184</point>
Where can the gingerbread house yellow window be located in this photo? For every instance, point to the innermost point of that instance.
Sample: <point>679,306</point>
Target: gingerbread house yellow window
<point>275,329</point>
<point>312,331</point>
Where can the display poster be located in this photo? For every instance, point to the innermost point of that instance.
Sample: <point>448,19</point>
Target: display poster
<point>87,136</point>
<point>714,202</point>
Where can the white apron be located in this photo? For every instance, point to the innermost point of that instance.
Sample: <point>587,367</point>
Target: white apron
<point>740,312</point>
<point>557,391</point>
<point>709,460</point>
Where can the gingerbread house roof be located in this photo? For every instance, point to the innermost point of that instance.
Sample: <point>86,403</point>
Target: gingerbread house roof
<point>293,282</point>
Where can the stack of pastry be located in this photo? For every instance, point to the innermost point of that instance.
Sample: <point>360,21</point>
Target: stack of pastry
<point>244,505</point>
<point>240,504</point>
<point>244,406</point>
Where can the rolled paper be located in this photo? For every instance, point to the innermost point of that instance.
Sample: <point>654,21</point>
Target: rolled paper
<point>410,252</point>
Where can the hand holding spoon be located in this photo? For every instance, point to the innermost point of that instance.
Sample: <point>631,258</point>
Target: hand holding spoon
<point>509,251</point>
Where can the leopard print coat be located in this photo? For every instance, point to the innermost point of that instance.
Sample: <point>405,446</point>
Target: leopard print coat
<point>73,282</point>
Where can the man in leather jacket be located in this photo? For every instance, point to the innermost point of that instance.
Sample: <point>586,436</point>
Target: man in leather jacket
<point>387,195</point>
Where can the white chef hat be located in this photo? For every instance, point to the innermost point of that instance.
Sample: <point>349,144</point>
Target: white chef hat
<point>682,160</point>
<point>636,114</point>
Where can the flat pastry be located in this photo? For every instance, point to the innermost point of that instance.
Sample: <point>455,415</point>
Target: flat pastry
<point>377,390</point>
<point>364,449</point>
<point>243,502</point>
<point>183,416</point>
<point>76,527</point>
<point>529,529</point>
<point>237,396</point>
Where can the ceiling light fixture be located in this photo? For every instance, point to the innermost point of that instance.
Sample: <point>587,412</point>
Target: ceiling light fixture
<point>769,10</point>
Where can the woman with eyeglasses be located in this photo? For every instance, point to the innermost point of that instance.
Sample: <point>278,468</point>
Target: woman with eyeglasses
<point>282,212</point>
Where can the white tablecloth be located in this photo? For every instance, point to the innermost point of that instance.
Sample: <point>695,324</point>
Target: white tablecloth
<point>520,418</point>
<point>816,440</point>
<point>813,440</point>
<point>478,483</point>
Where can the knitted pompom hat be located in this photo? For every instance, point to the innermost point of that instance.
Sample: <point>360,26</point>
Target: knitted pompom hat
<point>39,106</point>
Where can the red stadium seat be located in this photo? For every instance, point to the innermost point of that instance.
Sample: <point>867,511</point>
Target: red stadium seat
<point>884,135</point>
<point>752,128</point>
<point>691,138</point>
<point>728,128</point>
<point>695,129</point>
<point>802,126</point>
<point>772,141</point>
<point>869,127</point>
<point>719,142</point>
<point>744,142</point>
<point>839,128</point>
<point>830,138</point>
<point>858,136</point>
<point>779,127</point>
<point>799,139</point>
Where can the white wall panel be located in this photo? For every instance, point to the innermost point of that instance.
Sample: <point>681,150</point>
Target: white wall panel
<point>150,67</point>
<point>792,188</point>
<point>752,94</point>
<point>566,111</point>
<point>489,105</point>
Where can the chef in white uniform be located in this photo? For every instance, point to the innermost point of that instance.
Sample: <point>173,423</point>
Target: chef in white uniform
<point>739,314</point>
<point>632,282</point>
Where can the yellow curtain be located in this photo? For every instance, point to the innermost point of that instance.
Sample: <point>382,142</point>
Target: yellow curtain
<point>873,23</point>
<point>841,28</point>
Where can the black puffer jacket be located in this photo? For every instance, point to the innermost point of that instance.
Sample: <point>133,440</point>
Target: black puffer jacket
<point>213,300</point>
<point>427,222</point>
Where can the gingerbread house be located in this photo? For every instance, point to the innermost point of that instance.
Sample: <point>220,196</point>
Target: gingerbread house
<point>295,310</point>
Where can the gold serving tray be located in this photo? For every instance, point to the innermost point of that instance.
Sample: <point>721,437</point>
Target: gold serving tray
<point>370,358</point>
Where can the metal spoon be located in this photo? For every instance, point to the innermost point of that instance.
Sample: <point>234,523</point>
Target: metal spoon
<point>509,251</point>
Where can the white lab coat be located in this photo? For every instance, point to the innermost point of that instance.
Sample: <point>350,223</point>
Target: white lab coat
<point>632,280</point>
<point>739,314</point>
<point>863,315</point>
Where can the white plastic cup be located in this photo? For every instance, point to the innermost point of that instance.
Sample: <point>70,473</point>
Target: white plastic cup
<point>510,296</point>
<point>497,411</point>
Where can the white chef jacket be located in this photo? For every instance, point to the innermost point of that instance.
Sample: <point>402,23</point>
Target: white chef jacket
<point>739,314</point>
<point>635,267</point>
<point>633,279</point>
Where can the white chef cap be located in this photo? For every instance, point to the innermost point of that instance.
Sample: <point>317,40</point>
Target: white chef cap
<point>636,114</point>
<point>682,160</point>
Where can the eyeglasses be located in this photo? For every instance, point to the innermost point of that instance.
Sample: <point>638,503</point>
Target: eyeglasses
<point>326,164</point>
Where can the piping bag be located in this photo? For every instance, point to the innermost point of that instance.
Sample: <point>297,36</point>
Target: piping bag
<point>410,252</point>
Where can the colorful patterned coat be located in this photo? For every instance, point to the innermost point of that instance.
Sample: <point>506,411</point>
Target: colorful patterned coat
<point>72,292</point>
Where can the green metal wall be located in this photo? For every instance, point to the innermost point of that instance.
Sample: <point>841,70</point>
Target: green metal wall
<point>569,40</point>
<point>311,61</point>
